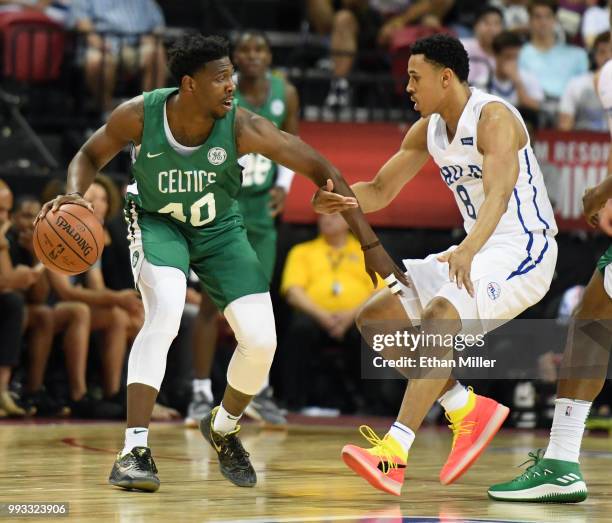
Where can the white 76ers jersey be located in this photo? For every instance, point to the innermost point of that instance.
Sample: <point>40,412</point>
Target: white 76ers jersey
<point>529,210</point>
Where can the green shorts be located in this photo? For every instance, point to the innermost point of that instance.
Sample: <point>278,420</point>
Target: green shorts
<point>605,260</point>
<point>263,241</point>
<point>220,254</point>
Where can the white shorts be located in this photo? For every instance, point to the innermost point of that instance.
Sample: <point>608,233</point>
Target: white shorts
<point>509,275</point>
<point>608,279</point>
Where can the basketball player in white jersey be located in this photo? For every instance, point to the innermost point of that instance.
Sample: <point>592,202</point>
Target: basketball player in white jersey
<point>554,475</point>
<point>503,266</point>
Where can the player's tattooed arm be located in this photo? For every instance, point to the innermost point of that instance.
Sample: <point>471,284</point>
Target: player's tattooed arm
<point>255,134</point>
<point>124,126</point>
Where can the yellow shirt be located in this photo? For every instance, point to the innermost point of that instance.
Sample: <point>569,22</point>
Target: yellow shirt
<point>335,279</point>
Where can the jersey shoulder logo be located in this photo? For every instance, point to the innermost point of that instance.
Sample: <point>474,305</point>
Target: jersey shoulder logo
<point>468,140</point>
<point>217,155</point>
<point>277,107</point>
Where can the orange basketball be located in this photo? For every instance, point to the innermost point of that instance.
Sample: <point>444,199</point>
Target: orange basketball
<point>70,240</point>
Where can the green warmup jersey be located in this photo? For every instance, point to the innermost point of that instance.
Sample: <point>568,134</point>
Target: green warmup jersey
<point>258,178</point>
<point>182,210</point>
<point>259,172</point>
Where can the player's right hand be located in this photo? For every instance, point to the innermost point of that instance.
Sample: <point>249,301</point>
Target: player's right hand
<point>378,261</point>
<point>325,201</point>
<point>60,200</point>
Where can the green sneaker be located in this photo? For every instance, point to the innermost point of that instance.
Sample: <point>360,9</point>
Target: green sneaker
<point>544,481</point>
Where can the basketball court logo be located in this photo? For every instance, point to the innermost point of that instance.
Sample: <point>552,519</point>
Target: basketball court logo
<point>217,155</point>
<point>493,290</point>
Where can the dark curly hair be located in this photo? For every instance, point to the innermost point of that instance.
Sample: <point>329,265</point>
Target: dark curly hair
<point>191,52</point>
<point>445,51</point>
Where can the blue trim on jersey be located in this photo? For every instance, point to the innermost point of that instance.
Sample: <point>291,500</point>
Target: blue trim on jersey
<point>520,270</point>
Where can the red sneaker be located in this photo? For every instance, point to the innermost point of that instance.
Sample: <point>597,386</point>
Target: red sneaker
<point>382,466</point>
<point>473,426</point>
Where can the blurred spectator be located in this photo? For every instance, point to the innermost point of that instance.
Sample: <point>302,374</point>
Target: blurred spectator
<point>489,23</point>
<point>12,308</point>
<point>516,15</point>
<point>365,25</point>
<point>323,280</point>
<point>125,33</point>
<point>595,21</point>
<point>580,107</point>
<point>460,16</point>
<point>520,88</point>
<point>55,9</point>
<point>554,63</point>
<point>68,318</point>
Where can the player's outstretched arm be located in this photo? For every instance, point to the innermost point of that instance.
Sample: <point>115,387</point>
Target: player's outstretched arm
<point>257,135</point>
<point>388,182</point>
<point>499,140</point>
<point>124,126</point>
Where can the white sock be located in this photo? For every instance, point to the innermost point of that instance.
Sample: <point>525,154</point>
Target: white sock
<point>403,435</point>
<point>135,437</point>
<point>224,421</point>
<point>567,429</point>
<point>454,398</point>
<point>204,386</point>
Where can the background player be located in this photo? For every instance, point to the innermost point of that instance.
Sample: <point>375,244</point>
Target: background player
<point>182,212</point>
<point>503,266</point>
<point>262,197</point>
<point>555,475</point>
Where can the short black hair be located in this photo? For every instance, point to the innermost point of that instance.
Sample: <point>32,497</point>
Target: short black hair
<point>191,52</point>
<point>446,51</point>
<point>488,10</point>
<point>506,40</point>
<point>252,32</point>
<point>22,200</point>
<point>601,38</point>
<point>553,5</point>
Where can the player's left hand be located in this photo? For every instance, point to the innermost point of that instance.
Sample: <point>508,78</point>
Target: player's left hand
<point>378,261</point>
<point>459,266</point>
<point>278,195</point>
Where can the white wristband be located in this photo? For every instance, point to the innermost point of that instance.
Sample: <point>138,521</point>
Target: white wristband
<point>284,178</point>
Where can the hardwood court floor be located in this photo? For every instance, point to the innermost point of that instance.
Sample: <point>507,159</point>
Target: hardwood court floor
<point>301,476</point>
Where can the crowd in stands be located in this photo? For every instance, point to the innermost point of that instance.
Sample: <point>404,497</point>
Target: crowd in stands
<point>66,339</point>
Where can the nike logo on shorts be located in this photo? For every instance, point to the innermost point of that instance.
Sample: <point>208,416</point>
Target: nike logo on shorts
<point>149,155</point>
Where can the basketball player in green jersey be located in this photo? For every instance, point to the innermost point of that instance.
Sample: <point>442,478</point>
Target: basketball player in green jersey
<point>554,475</point>
<point>264,188</point>
<point>182,213</point>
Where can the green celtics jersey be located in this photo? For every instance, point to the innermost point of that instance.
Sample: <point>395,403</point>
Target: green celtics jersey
<point>259,172</point>
<point>196,189</point>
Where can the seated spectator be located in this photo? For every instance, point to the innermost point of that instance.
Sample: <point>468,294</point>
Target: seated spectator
<point>596,20</point>
<point>580,107</point>
<point>489,23</point>
<point>72,319</point>
<point>507,81</point>
<point>323,280</point>
<point>554,63</point>
<point>125,33</point>
<point>365,25</point>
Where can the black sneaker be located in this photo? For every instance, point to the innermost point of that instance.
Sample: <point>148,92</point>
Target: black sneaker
<point>233,459</point>
<point>263,407</point>
<point>40,403</point>
<point>136,470</point>
<point>90,408</point>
